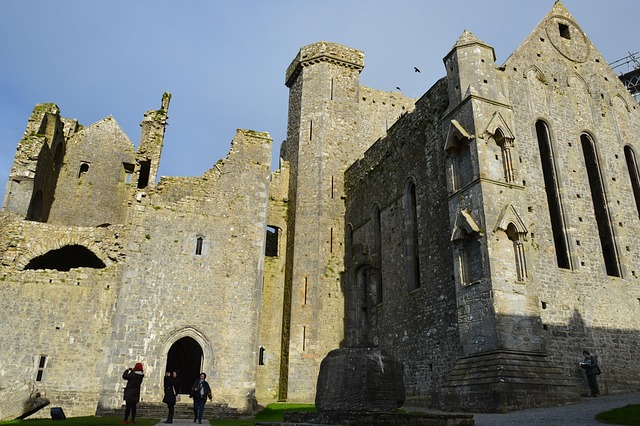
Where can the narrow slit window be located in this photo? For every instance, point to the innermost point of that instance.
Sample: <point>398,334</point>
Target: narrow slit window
<point>553,195</point>
<point>271,247</point>
<point>634,176</point>
<point>42,363</point>
<point>599,199</point>
<point>261,356</point>
<point>199,246</point>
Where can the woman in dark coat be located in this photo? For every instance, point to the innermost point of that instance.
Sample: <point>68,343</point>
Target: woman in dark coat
<point>134,377</point>
<point>171,389</point>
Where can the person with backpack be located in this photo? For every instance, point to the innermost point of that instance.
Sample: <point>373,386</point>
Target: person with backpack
<point>591,368</point>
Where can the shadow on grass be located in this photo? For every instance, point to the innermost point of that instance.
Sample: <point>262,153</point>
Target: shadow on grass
<point>628,415</point>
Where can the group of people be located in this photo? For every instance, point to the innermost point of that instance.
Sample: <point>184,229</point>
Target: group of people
<point>200,392</point>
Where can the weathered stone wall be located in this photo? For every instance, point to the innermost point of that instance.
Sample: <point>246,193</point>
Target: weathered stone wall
<point>268,379</point>
<point>477,163</point>
<point>567,83</point>
<point>63,317</point>
<point>418,327</point>
<point>92,189</point>
<point>169,292</point>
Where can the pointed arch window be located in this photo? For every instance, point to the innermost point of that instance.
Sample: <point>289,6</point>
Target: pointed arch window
<point>599,199</point>
<point>468,251</point>
<point>412,241</point>
<point>458,148</point>
<point>507,162</point>
<point>553,195</point>
<point>634,176</point>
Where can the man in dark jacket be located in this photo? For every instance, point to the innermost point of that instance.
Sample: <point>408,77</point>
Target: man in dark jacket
<point>134,377</point>
<point>590,365</point>
<point>200,391</point>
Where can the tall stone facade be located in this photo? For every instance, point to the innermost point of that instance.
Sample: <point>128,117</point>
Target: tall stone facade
<point>483,235</point>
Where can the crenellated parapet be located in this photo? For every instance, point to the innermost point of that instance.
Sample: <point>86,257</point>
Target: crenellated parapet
<point>324,52</point>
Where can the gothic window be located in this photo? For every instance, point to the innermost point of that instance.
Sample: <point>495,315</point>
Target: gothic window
<point>469,258</point>
<point>634,176</point>
<point>412,241</point>
<point>518,250</point>
<point>460,163</point>
<point>553,195</point>
<point>271,248</point>
<point>505,148</point>
<point>468,251</point>
<point>599,199</point>
<point>377,252</point>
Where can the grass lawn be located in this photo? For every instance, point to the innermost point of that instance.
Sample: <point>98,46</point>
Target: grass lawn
<point>271,413</point>
<point>629,415</point>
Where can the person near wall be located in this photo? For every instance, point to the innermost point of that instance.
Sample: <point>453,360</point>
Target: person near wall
<point>171,390</point>
<point>591,368</point>
<point>200,391</point>
<point>134,377</point>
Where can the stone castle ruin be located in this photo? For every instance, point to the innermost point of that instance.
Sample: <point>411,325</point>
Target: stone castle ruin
<point>482,235</point>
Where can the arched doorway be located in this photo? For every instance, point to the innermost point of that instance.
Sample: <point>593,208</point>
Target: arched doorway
<point>185,355</point>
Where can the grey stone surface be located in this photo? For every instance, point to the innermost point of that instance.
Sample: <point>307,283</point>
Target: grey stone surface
<point>435,229</point>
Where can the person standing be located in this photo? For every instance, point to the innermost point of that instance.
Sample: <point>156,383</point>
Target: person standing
<point>134,377</point>
<point>200,391</point>
<point>590,365</point>
<point>171,389</point>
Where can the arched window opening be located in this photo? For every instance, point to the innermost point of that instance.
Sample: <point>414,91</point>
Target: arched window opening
<point>507,162</point>
<point>553,195</point>
<point>66,258</point>
<point>261,356</point>
<point>518,251</point>
<point>469,259</point>
<point>599,198</point>
<point>634,176</point>
<point>377,251</point>
<point>348,244</point>
<point>185,356</point>
<point>461,167</point>
<point>412,240</point>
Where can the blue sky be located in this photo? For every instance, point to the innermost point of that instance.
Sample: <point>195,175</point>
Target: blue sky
<point>224,61</point>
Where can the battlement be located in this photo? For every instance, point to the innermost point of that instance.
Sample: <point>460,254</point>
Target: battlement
<point>324,52</point>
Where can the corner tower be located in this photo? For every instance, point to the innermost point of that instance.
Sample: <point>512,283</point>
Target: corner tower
<point>322,135</point>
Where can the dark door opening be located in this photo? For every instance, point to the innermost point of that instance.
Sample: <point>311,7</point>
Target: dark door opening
<point>185,356</point>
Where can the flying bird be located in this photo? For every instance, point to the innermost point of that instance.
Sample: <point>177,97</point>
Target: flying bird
<point>398,88</point>
<point>415,69</point>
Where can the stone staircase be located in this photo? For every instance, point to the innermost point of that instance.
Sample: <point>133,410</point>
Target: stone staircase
<point>183,410</point>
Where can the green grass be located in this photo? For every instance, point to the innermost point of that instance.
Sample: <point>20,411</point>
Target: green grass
<point>80,421</point>
<point>271,413</point>
<point>629,415</point>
